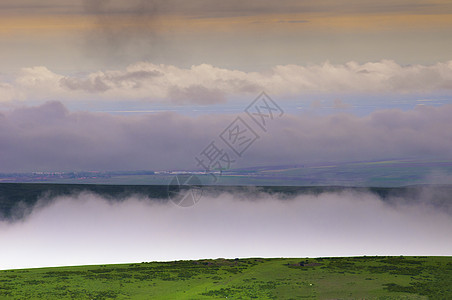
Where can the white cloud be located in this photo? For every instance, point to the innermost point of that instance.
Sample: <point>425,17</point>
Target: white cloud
<point>206,84</point>
<point>37,76</point>
<point>7,92</point>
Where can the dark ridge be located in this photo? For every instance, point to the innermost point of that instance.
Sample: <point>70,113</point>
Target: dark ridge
<point>17,199</point>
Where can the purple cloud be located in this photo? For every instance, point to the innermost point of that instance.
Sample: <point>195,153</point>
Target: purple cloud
<point>51,138</point>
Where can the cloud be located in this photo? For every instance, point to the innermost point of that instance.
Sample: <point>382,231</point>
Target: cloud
<point>197,94</point>
<point>51,138</point>
<point>138,19</point>
<point>218,8</point>
<point>101,82</point>
<point>7,92</point>
<point>387,133</point>
<point>89,229</point>
<point>384,76</point>
<point>206,84</point>
<point>339,104</point>
<point>293,21</point>
<point>202,84</point>
<point>38,76</point>
<point>37,84</point>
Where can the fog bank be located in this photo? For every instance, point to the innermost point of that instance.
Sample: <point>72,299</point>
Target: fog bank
<point>89,229</point>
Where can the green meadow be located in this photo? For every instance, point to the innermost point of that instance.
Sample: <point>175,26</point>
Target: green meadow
<point>373,277</point>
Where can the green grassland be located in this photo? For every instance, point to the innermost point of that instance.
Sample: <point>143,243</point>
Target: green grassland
<point>253,278</point>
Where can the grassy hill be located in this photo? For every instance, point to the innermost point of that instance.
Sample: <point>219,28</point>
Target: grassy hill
<point>252,278</point>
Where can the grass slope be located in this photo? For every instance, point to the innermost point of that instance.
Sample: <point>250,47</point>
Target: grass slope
<point>252,278</point>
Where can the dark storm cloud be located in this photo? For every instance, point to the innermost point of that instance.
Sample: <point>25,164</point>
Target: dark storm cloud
<point>50,138</point>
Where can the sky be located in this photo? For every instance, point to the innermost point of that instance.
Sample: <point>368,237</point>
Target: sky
<point>114,85</point>
<point>110,85</point>
<point>252,35</point>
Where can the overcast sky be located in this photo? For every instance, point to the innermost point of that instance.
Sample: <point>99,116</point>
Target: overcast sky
<point>72,36</point>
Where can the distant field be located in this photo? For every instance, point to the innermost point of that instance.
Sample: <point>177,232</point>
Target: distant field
<point>391,173</point>
<point>252,278</point>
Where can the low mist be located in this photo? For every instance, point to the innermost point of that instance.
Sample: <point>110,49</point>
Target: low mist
<point>89,229</point>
